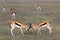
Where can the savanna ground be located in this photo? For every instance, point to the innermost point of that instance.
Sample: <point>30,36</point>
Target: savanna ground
<point>26,12</point>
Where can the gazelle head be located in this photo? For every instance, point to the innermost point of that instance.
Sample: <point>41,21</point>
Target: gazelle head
<point>31,26</point>
<point>26,27</point>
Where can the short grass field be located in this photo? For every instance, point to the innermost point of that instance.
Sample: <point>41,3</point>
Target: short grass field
<point>26,13</point>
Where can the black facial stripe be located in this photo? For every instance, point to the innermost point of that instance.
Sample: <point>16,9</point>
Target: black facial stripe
<point>18,24</point>
<point>43,24</point>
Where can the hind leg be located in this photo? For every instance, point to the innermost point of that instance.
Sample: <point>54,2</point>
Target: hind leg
<point>50,29</point>
<point>12,30</point>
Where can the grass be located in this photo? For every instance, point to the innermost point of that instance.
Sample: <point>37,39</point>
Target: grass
<point>27,13</point>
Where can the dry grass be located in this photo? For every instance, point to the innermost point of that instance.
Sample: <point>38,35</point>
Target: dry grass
<point>27,13</point>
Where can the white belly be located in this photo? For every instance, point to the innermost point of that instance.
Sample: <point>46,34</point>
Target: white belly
<point>43,26</point>
<point>17,26</point>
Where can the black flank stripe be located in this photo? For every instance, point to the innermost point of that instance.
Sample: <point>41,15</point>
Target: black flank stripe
<point>18,24</point>
<point>43,24</point>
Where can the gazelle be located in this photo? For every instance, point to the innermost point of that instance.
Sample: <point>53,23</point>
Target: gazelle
<point>3,8</point>
<point>17,24</point>
<point>38,7</point>
<point>13,13</point>
<point>41,25</point>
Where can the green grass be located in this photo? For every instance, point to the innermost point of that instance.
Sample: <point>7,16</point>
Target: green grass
<point>27,13</point>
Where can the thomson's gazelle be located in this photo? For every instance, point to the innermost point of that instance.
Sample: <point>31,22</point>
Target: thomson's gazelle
<point>41,25</point>
<point>38,7</point>
<point>17,24</point>
<point>13,13</point>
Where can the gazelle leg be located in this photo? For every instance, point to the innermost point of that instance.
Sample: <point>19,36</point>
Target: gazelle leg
<point>12,30</point>
<point>39,30</point>
<point>50,30</point>
<point>21,31</point>
<point>13,16</point>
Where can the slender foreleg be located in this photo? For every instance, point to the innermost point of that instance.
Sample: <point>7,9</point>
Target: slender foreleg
<point>39,31</point>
